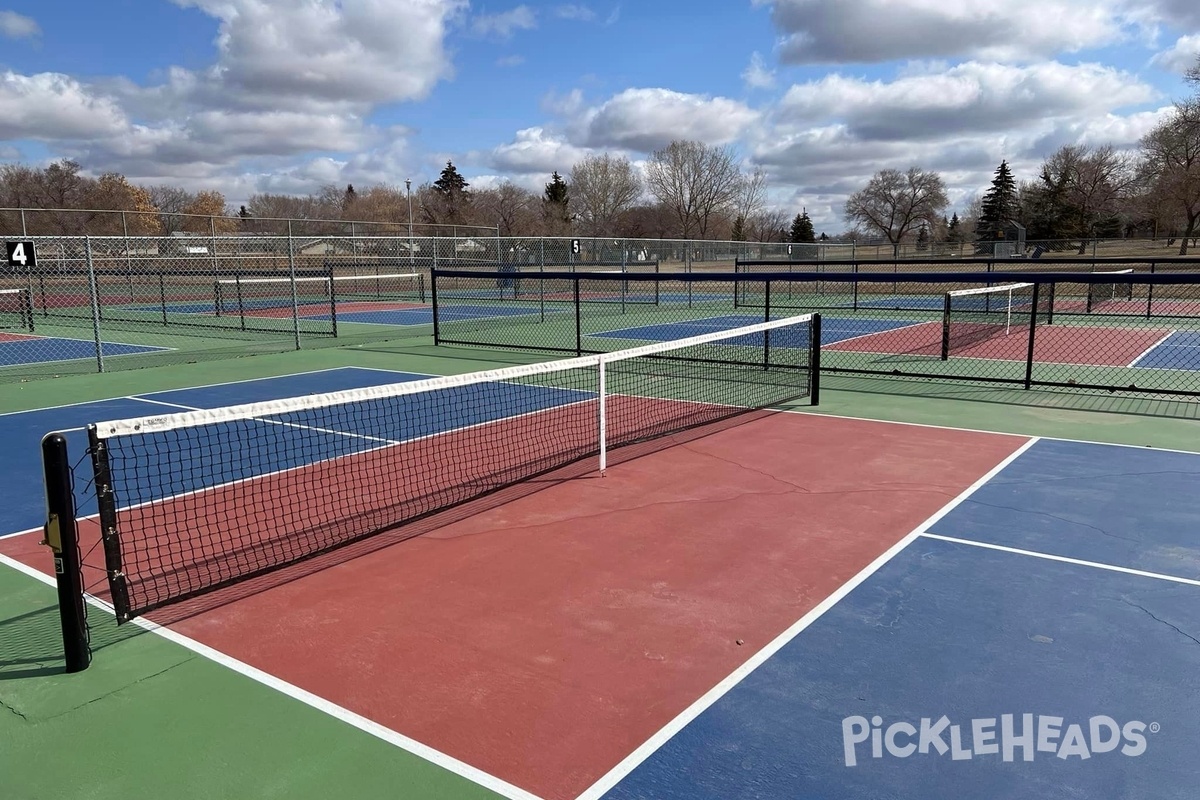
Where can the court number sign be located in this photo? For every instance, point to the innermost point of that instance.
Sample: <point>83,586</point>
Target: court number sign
<point>20,254</point>
<point>575,246</point>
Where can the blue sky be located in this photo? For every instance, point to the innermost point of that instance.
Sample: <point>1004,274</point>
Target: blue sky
<point>286,95</point>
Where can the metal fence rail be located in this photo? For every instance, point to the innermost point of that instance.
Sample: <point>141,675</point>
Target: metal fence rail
<point>1070,331</point>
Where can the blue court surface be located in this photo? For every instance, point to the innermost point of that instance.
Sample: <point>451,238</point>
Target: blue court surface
<point>49,349</point>
<point>1039,637</point>
<point>1039,640</point>
<point>833,329</point>
<point>1180,350</point>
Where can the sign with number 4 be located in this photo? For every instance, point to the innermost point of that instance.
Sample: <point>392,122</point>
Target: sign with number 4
<point>20,254</point>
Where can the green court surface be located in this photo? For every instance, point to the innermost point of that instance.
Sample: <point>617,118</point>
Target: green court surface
<point>154,718</point>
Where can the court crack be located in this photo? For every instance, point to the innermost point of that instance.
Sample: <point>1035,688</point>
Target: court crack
<point>1175,628</point>
<point>1047,514</point>
<point>15,711</point>
<point>118,690</point>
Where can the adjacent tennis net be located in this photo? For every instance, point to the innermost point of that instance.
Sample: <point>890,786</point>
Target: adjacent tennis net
<point>1102,293</point>
<point>16,309</point>
<point>972,316</point>
<point>194,501</point>
<point>272,296</point>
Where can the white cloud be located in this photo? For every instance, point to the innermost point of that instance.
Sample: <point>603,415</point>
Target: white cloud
<point>968,97</point>
<point>1182,56</point>
<point>647,119</point>
<point>574,11</point>
<point>327,51</point>
<point>504,24</point>
<point>756,75</point>
<point>50,106</point>
<point>835,31</point>
<point>17,26</point>
<point>534,150</point>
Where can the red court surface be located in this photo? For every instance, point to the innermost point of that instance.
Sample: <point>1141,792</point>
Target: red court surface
<point>1135,307</point>
<point>1055,344</point>
<point>17,337</point>
<point>544,640</point>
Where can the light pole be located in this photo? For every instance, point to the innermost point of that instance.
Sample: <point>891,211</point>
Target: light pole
<point>408,189</point>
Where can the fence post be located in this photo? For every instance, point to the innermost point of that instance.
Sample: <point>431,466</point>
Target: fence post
<point>1033,325</point>
<point>63,540</point>
<point>295,295</point>
<point>128,259</point>
<point>1150,293</point>
<point>94,291</point>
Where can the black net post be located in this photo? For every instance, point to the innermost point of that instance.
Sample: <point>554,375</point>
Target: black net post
<point>62,538</point>
<point>333,300</point>
<point>433,286</point>
<point>946,328</point>
<point>1033,326</point>
<point>814,361</point>
<point>578,318</point>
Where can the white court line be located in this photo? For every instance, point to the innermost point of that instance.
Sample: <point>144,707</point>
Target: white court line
<point>685,322</point>
<point>648,748</point>
<point>446,762</point>
<point>181,389</point>
<point>871,333</point>
<point>1063,559</point>
<point>1153,347</point>
<point>817,413</point>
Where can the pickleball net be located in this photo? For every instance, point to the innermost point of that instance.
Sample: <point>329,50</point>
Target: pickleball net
<point>16,310</point>
<point>271,296</point>
<point>194,501</point>
<point>973,316</point>
<point>1120,289</point>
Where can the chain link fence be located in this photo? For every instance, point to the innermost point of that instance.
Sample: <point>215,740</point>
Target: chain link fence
<point>1069,331</point>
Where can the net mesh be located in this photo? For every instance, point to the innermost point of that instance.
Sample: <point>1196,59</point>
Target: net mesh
<point>315,295</point>
<point>16,310</point>
<point>199,500</point>
<point>1100,294</point>
<point>974,316</point>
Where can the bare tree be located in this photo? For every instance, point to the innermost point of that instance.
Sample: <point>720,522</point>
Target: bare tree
<point>509,207</point>
<point>602,188</point>
<point>895,204</point>
<point>170,202</point>
<point>1170,166</point>
<point>1097,182</point>
<point>770,225</point>
<point>752,194</point>
<point>695,181</point>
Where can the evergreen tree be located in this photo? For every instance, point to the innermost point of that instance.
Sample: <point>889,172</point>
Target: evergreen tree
<point>999,205</point>
<point>739,229</point>
<point>557,199</point>
<point>954,232</point>
<point>824,237</point>
<point>451,188</point>
<point>243,213</point>
<point>923,238</point>
<point>450,182</point>
<point>350,196</point>
<point>802,229</point>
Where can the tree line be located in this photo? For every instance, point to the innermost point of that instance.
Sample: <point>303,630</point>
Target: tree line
<point>1081,193</point>
<point>689,190</point>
